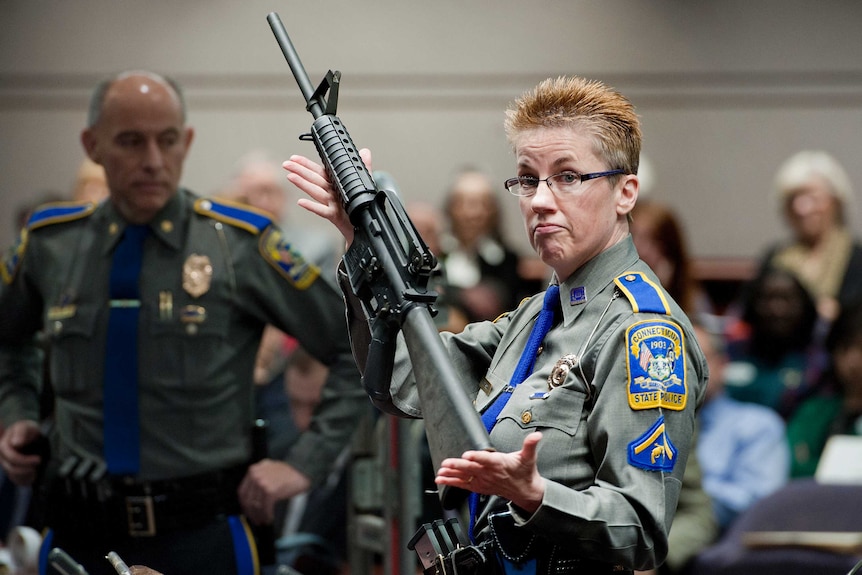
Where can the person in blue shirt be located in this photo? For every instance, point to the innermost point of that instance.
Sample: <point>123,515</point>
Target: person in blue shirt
<point>742,446</point>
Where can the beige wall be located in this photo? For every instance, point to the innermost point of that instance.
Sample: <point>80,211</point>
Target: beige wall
<point>726,89</point>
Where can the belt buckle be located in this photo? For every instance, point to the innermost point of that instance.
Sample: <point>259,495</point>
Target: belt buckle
<point>141,516</point>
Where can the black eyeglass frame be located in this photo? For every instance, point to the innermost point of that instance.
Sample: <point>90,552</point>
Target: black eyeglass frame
<point>581,179</point>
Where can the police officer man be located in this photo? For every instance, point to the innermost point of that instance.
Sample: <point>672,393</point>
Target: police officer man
<point>153,304</point>
<point>592,441</point>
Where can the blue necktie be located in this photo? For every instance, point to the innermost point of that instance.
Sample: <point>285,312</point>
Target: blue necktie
<point>121,428</point>
<point>542,325</point>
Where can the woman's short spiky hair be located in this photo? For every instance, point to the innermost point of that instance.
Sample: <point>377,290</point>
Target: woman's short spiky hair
<point>571,101</point>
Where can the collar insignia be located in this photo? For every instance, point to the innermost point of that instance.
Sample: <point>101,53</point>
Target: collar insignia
<point>577,295</point>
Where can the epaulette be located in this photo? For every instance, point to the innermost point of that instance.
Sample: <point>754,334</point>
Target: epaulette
<point>238,215</point>
<point>644,295</point>
<point>506,313</point>
<point>57,212</point>
<point>42,216</point>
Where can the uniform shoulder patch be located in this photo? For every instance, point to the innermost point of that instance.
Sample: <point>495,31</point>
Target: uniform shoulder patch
<point>44,215</point>
<point>653,450</point>
<point>235,214</point>
<point>12,258</point>
<point>58,212</point>
<point>644,294</point>
<point>655,362</point>
<point>287,261</point>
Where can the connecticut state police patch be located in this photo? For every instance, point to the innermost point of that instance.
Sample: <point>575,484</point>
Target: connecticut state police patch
<point>656,365</point>
<point>286,260</point>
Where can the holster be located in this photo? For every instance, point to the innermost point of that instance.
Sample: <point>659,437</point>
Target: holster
<point>471,560</point>
<point>510,550</point>
<point>444,550</point>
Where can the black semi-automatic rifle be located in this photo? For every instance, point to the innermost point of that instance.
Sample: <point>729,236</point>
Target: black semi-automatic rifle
<point>389,266</point>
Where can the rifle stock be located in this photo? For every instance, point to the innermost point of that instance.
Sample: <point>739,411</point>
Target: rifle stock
<point>389,266</point>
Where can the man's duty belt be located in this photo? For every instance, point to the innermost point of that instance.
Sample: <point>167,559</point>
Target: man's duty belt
<point>92,500</point>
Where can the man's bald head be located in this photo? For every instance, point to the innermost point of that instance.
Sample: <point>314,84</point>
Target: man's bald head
<point>143,79</point>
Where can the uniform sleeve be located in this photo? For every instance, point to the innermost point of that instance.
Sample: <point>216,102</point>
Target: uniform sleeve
<point>20,381</point>
<point>21,358</point>
<point>291,295</point>
<point>470,351</point>
<point>694,525</point>
<point>639,457</point>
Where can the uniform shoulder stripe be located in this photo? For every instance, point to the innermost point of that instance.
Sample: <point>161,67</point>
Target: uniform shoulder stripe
<point>236,214</point>
<point>57,212</point>
<point>644,295</point>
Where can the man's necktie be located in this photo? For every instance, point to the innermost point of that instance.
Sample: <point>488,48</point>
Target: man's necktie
<point>121,426</point>
<point>542,325</point>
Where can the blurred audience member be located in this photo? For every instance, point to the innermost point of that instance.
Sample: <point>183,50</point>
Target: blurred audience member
<point>259,182</point>
<point>452,314</point>
<point>816,199</point>
<point>775,347</point>
<point>660,240</point>
<point>839,409</point>
<point>475,253</point>
<point>91,185</point>
<point>742,446</point>
<point>429,223</point>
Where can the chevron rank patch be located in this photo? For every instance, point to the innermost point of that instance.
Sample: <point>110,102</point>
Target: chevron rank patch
<point>656,365</point>
<point>286,260</point>
<point>653,450</point>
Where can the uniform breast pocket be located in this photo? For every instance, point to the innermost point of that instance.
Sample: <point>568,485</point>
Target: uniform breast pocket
<point>76,349</point>
<point>188,349</point>
<point>561,410</point>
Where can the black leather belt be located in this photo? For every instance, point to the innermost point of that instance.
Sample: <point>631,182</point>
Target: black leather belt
<point>151,507</point>
<point>143,508</point>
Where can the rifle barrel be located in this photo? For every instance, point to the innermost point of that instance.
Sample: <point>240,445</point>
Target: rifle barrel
<point>295,63</point>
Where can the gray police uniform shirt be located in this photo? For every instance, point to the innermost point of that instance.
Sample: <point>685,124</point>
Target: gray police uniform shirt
<point>213,275</point>
<point>614,392</point>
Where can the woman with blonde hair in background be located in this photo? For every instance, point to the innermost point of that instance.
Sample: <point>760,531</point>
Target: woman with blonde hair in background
<point>816,199</point>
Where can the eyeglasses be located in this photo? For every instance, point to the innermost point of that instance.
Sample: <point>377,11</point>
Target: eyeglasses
<point>564,183</point>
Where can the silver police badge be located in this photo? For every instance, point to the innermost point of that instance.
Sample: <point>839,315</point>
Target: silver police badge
<point>561,370</point>
<point>197,275</point>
